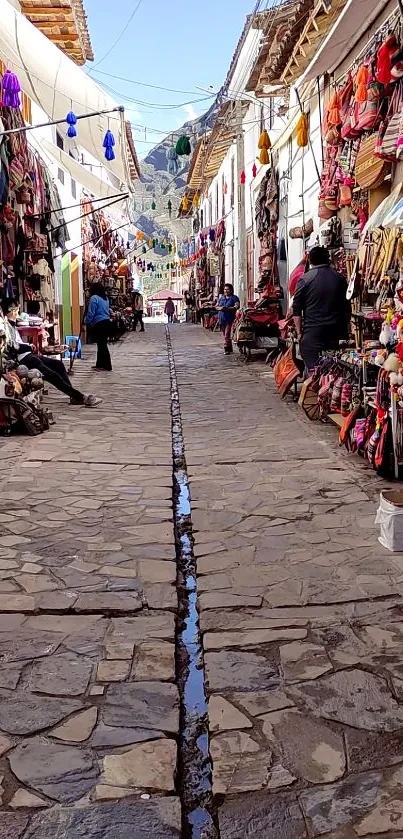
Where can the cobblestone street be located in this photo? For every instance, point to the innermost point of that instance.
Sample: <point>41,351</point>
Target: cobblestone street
<point>300,610</point>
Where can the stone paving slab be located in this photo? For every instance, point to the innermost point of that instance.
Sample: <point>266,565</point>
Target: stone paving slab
<point>88,701</point>
<point>301,611</point>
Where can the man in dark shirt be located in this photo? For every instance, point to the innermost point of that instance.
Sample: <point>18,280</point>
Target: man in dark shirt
<point>320,308</point>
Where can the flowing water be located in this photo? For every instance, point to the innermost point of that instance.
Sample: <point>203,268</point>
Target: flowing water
<point>194,766</point>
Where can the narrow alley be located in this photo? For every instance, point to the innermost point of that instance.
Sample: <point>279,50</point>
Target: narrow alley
<point>300,613</point>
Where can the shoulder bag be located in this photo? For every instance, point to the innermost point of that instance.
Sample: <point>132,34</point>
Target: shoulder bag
<point>389,129</point>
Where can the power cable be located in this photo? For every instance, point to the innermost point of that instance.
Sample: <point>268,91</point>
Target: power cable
<point>125,28</point>
<point>145,84</point>
<point>155,104</point>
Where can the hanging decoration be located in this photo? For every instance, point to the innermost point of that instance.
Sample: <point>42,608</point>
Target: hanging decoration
<point>302,131</point>
<point>108,144</point>
<point>144,249</point>
<point>170,208</point>
<point>361,82</point>
<point>264,145</point>
<point>211,234</point>
<point>196,201</point>
<point>154,243</point>
<point>333,115</point>
<point>185,204</point>
<point>11,89</point>
<point>151,243</point>
<point>254,170</point>
<point>264,141</point>
<point>173,161</point>
<point>243,178</point>
<point>153,205</point>
<point>71,120</point>
<point>170,248</point>
<point>183,146</point>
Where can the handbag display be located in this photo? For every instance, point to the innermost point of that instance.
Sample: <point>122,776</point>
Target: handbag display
<point>370,170</point>
<point>308,399</point>
<point>389,130</point>
<point>368,115</point>
<point>286,371</point>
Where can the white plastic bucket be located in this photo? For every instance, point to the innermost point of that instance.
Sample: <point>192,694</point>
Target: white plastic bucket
<point>390,519</point>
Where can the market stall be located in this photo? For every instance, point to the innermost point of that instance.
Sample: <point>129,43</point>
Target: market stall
<point>31,218</point>
<point>257,325</point>
<point>359,387</point>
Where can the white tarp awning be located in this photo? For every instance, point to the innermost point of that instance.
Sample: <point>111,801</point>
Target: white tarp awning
<point>58,86</point>
<point>356,17</point>
<point>81,174</point>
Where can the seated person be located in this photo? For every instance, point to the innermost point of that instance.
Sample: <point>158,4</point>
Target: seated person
<point>53,371</point>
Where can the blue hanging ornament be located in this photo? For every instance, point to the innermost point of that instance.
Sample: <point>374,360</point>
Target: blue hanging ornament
<point>212,234</point>
<point>71,120</point>
<point>11,89</point>
<point>108,144</point>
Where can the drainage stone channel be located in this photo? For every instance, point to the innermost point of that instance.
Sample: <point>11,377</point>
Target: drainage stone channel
<point>194,763</point>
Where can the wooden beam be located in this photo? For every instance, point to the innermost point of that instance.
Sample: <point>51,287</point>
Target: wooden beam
<point>45,10</point>
<point>64,39</point>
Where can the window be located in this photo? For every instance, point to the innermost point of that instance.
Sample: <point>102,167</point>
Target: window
<point>232,182</point>
<point>60,175</point>
<point>59,141</point>
<point>73,188</point>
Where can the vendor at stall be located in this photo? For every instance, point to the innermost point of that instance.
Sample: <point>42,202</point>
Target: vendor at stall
<point>320,308</point>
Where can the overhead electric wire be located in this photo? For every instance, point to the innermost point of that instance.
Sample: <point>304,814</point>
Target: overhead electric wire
<point>155,104</point>
<point>146,84</point>
<point>125,28</point>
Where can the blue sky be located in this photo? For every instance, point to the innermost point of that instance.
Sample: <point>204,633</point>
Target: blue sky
<point>180,44</point>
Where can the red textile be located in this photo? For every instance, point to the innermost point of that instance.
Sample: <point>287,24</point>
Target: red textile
<point>263,318</point>
<point>295,275</point>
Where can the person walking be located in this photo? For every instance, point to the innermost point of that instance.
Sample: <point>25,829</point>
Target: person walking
<point>52,370</point>
<point>320,308</point>
<point>227,307</point>
<point>138,311</point>
<point>170,309</point>
<point>98,317</point>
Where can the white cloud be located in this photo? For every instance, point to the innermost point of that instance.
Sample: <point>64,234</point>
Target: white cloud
<point>190,111</point>
<point>132,114</point>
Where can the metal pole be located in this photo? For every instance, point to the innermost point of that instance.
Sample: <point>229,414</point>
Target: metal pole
<point>24,128</point>
<point>240,153</point>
